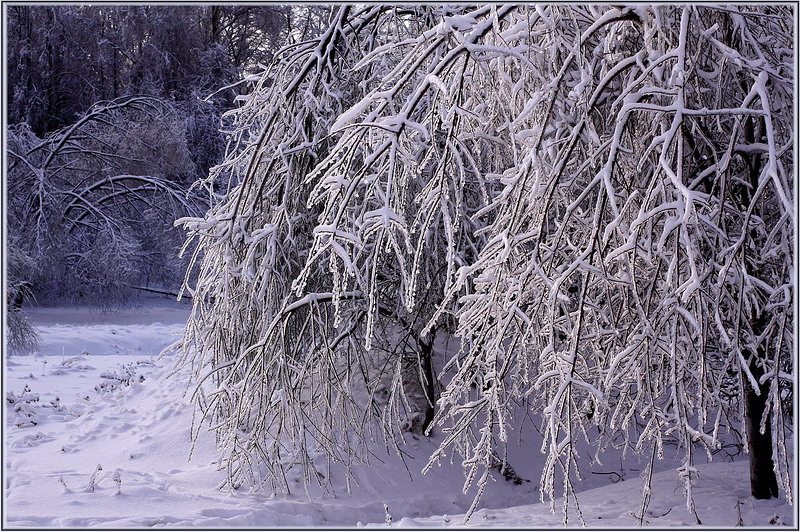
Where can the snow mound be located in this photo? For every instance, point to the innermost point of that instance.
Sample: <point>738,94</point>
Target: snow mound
<point>721,494</point>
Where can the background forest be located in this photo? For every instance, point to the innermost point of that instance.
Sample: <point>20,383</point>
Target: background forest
<point>113,112</point>
<point>399,223</point>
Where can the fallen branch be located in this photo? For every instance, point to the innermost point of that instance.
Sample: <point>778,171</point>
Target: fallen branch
<point>163,292</point>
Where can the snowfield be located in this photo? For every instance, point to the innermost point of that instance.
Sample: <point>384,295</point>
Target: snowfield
<point>97,434</point>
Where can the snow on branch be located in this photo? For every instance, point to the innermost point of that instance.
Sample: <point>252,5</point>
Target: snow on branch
<point>595,200</point>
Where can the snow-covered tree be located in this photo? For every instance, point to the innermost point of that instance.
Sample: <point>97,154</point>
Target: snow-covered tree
<point>90,206</point>
<point>595,200</point>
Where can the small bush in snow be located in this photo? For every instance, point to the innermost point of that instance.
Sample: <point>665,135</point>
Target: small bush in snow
<point>122,377</point>
<point>93,478</point>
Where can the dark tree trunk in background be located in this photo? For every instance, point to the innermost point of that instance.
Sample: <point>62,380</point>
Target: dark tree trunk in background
<point>426,359</point>
<point>763,483</point>
<point>417,384</point>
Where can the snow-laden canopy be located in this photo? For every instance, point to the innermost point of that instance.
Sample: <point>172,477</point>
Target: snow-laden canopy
<point>595,200</point>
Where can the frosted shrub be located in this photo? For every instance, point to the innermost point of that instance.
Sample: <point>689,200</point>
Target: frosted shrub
<point>122,377</point>
<point>25,407</point>
<point>117,478</point>
<point>93,478</point>
<point>21,338</point>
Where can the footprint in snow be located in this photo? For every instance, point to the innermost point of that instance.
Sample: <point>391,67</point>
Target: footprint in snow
<point>32,440</point>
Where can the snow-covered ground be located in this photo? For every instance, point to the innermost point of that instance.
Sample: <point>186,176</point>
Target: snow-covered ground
<point>97,395</point>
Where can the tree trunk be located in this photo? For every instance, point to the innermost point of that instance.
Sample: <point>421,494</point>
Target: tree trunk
<point>763,483</point>
<point>426,358</point>
<point>418,391</point>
